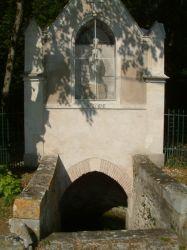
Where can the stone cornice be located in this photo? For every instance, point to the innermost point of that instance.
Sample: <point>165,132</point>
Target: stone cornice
<point>34,76</point>
<point>156,78</point>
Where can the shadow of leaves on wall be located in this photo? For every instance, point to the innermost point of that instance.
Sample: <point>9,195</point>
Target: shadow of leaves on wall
<point>53,55</point>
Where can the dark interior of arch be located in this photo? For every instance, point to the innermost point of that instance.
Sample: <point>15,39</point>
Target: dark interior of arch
<point>95,29</point>
<point>93,202</point>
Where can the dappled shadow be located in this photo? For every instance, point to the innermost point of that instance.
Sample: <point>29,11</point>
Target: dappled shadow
<point>53,58</point>
<point>59,50</point>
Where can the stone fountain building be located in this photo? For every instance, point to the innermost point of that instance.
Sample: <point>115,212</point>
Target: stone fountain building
<point>94,90</point>
<point>94,104</point>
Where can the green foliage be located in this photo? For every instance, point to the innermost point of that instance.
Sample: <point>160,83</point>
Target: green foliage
<point>176,162</point>
<point>45,11</point>
<point>3,169</point>
<point>10,185</point>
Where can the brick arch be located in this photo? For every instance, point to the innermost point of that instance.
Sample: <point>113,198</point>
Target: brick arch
<point>94,164</point>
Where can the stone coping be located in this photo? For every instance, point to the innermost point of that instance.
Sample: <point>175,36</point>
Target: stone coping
<point>27,204</point>
<point>109,240</point>
<point>173,192</point>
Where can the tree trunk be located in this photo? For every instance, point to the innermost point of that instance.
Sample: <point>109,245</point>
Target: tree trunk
<point>11,53</point>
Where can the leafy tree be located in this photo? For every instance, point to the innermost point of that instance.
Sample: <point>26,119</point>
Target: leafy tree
<point>11,52</point>
<point>45,11</point>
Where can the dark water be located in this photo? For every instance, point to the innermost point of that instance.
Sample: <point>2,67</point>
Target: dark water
<point>93,202</point>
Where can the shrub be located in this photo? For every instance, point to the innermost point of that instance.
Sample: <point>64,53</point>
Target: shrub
<point>3,169</point>
<point>10,185</point>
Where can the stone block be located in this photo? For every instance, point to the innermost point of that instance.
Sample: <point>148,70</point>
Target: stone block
<point>32,225</point>
<point>11,242</point>
<point>26,209</point>
<point>20,229</point>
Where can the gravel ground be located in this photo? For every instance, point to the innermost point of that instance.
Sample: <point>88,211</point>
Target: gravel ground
<point>180,174</point>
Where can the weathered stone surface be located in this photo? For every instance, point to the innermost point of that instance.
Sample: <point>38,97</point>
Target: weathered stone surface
<point>26,208</point>
<point>36,191</point>
<point>57,123</point>
<point>33,226</point>
<point>159,201</point>
<point>20,229</point>
<point>38,204</point>
<point>118,240</point>
<point>11,242</point>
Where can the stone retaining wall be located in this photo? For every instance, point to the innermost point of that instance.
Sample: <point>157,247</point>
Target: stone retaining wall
<point>38,204</point>
<point>159,201</point>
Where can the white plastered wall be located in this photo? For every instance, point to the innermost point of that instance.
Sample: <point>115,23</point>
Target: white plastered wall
<point>112,130</point>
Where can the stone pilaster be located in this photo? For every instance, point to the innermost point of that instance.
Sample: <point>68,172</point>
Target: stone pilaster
<point>33,118</point>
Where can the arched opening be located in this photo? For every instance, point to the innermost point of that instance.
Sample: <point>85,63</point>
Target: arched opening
<point>93,202</point>
<point>95,62</point>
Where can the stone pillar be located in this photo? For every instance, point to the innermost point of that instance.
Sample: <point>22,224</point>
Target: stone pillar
<point>33,94</point>
<point>155,83</point>
<point>155,120</point>
<point>33,49</point>
<point>33,119</point>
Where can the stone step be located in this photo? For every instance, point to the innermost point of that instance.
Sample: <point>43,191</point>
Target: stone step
<point>110,240</point>
<point>10,242</point>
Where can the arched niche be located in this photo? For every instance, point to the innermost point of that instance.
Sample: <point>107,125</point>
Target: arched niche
<point>92,202</point>
<point>94,60</point>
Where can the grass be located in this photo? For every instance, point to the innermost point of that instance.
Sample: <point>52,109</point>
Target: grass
<point>176,162</point>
